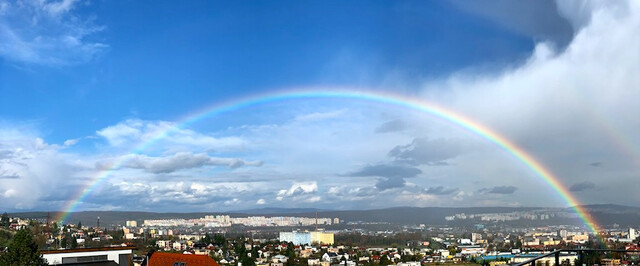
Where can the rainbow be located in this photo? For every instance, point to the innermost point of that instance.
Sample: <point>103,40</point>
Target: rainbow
<point>379,97</point>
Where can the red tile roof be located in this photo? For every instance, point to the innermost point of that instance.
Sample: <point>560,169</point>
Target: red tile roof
<point>168,259</point>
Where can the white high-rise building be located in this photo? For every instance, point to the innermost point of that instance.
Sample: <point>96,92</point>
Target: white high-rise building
<point>631,234</point>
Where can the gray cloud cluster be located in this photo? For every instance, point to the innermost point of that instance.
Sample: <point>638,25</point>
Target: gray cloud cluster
<point>387,170</point>
<point>427,151</point>
<point>498,190</point>
<point>391,176</point>
<point>582,186</point>
<point>439,190</point>
<point>183,160</point>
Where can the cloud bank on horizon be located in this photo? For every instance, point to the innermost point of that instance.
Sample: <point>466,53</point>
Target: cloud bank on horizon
<point>572,104</point>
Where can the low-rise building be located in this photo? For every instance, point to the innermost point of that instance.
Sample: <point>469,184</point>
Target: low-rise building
<point>119,255</point>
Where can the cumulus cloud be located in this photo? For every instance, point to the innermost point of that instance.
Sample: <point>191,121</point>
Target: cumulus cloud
<point>582,186</point>
<point>300,192</point>
<point>167,196</point>
<point>47,33</point>
<point>427,151</point>
<point>179,161</point>
<point>498,190</point>
<point>30,168</point>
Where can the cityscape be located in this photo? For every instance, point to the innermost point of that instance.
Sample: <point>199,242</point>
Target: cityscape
<point>302,132</point>
<point>271,239</point>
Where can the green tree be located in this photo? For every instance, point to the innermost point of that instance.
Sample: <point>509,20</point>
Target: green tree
<point>4,221</point>
<point>79,225</point>
<point>22,250</point>
<point>219,240</point>
<point>384,260</point>
<point>207,239</point>
<point>74,242</point>
<point>452,250</point>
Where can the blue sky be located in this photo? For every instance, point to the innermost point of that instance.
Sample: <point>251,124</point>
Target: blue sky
<point>84,82</point>
<point>194,54</point>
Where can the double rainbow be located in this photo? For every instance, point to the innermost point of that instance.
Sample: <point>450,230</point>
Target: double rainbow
<point>379,97</point>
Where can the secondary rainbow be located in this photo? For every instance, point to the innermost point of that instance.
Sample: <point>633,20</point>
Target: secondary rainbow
<point>386,98</point>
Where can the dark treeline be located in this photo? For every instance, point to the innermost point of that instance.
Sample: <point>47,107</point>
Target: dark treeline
<point>400,239</point>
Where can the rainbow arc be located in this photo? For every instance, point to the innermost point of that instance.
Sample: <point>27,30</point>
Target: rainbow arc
<point>461,121</point>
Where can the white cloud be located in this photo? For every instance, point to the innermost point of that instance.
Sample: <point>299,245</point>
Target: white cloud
<point>71,142</point>
<point>46,33</point>
<point>164,135</point>
<point>31,169</point>
<point>566,107</point>
<point>261,202</point>
<point>299,188</point>
<point>299,191</point>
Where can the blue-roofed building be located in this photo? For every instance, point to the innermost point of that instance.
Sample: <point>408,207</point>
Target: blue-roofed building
<point>297,238</point>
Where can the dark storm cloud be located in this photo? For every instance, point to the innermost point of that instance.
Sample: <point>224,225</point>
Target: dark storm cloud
<point>426,151</point>
<point>391,126</point>
<point>388,171</point>
<point>389,183</point>
<point>499,190</point>
<point>392,175</point>
<point>538,19</point>
<point>582,186</point>
<point>439,190</point>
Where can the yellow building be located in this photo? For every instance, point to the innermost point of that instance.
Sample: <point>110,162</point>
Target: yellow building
<point>322,238</point>
<point>610,262</point>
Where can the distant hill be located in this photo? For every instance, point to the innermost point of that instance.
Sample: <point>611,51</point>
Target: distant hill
<point>608,214</point>
<point>605,214</point>
<point>263,211</point>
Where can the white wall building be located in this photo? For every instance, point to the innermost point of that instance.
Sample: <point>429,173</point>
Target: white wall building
<point>120,255</point>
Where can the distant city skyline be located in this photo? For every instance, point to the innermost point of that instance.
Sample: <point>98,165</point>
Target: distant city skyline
<point>94,95</point>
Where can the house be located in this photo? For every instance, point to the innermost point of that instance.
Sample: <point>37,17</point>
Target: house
<point>173,259</point>
<point>279,258</point>
<point>409,263</point>
<point>305,253</point>
<point>330,257</point>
